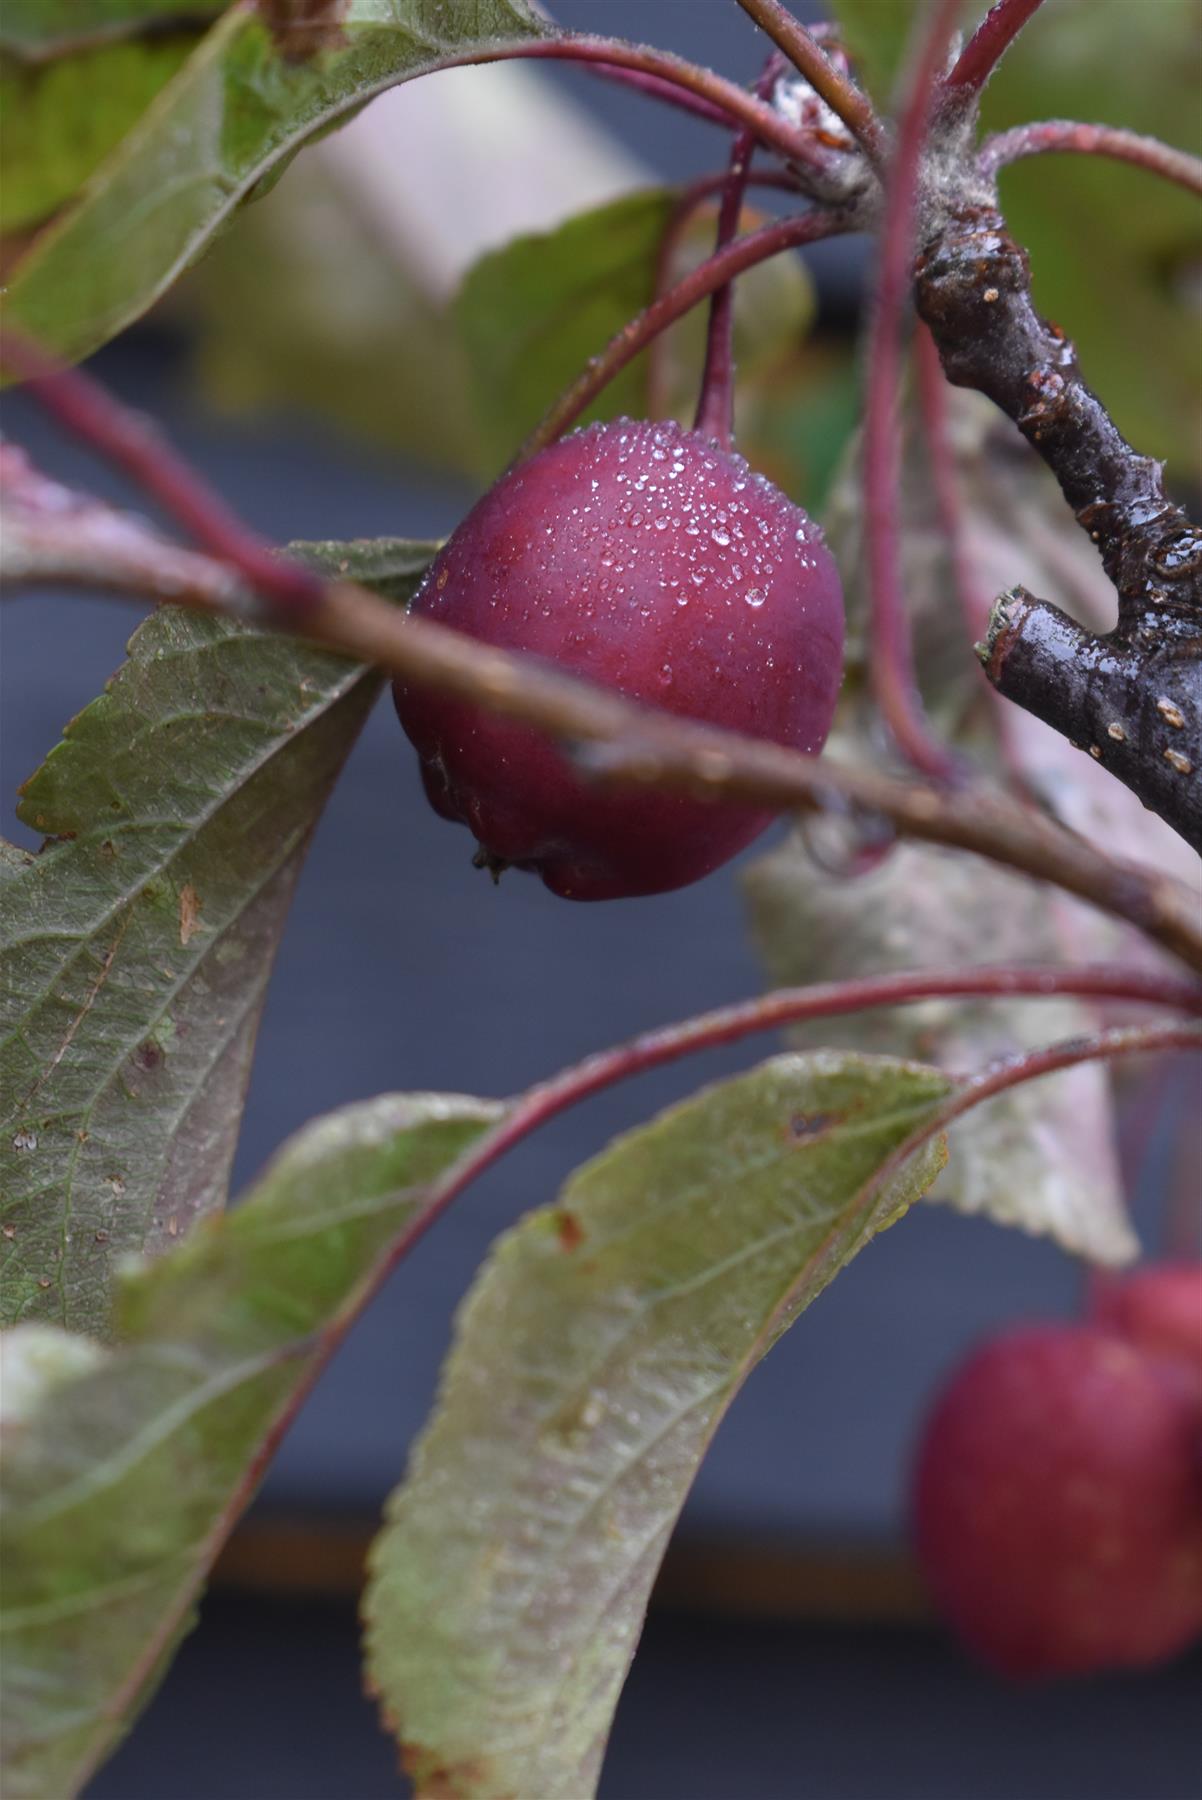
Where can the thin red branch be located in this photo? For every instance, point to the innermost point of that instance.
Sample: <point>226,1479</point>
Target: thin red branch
<point>1073,138</point>
<point>716,406</point>
<point>808,57</point>
<point>716,272</point>
<point>891,654</point>
<point>741,107</point>
<point>691,199</point>
<point>986,47</point>
<point>136,445</point>
<point>945,481</point>
<point>1031,1065</point>
<point>656,88</point>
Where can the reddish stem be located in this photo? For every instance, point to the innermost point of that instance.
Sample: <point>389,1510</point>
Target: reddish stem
<point>986,47</point>
<point>741,107</point>
<point>745,253</point>
<point>808,57</point>
<point>945,481</point>
<point>892,658</point>
<point>716,406</point>
<point>1030,1066</point>
<point>657,88</point>
<point>1069,136</point>
<point>691,199</point>
<point>135,444</point>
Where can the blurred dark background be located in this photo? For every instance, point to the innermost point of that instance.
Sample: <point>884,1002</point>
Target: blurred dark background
<point>788,1651</point>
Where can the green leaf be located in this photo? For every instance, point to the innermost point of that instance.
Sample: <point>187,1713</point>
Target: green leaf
<point>61,119</point>
<point>135,949</point>
<point>40,29</point>
<point>530,315</point>
<point>234,114</point>
<point>594,1359</point>
<point>125,1468</point>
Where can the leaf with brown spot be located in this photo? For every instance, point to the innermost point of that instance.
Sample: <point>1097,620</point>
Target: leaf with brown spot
<point>507,1590</point>
<point>128,1018</point>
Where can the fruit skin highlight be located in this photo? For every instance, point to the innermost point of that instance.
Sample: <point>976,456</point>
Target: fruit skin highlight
<point>646,558</point>
<point>1058,1502</point>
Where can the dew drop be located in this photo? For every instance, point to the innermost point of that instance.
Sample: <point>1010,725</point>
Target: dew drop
<point>755,596</point>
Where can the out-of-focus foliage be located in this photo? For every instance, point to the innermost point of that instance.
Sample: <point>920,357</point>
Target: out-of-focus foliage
<point>462,383</point>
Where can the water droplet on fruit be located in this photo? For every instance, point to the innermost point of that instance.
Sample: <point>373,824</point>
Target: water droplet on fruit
<point>755,596</point>
<point>719,535</point>
<point>665,675</point>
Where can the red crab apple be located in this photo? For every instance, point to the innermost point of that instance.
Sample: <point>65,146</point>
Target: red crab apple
<point>1058,1502</point>
<point>646,558</point>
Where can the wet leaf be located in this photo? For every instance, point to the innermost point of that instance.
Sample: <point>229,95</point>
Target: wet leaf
<point>135,949</point>
<point>125,1467</point>
<point>594,1358</point>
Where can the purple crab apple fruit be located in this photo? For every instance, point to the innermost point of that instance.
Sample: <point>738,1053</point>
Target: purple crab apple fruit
<point>645,558</point>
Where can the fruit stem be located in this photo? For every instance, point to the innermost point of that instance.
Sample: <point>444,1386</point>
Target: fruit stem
<point>691,198</point>
<point>91,413</point>
<point>808,57</point>
<point>716,405</point>
<point>1069,136</point>
<point>891,653</point>
<point>986,47</point>
<point>744,253</point>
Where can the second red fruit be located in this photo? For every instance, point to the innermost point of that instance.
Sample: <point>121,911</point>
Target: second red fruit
<point>1058,1501</point>
<point>647,559</point>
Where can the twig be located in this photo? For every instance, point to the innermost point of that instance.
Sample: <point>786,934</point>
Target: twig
<point>656,88</point>
<point>621,741</point>
<point>716,272</point>
<point>945,481</point>
<point>740,106</point>
<point>135,443</point>
<point>986,47</point>
<point>1072,137</point>
<point>1132,697</point>
<point>716,405</point>
<point>808,57</point>
<point>691,198</point>
<point>1032,1065</point>
<point>891,656</point>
